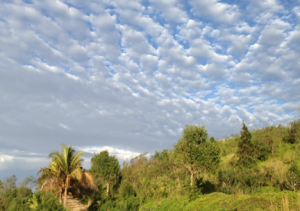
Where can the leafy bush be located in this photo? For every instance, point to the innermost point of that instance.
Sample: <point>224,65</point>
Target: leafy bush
<point>12,197</point>
<point>293,132</point>
<point>42,201</point>
<point>293,177</point>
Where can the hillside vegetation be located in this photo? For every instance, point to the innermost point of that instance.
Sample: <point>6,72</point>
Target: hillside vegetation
<point>253,170</point>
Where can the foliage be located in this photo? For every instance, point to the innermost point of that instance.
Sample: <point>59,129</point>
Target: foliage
<point>64,170</point>
<point>260,201</point>
<point>293,132</point>
<point>107,168</point>
<point>9,183</point>
<point>196,154</point>
<point>174,204</point>
<point>29,182</point>
<point>222,202</point>
<point>13,197</point>
<point>241,180</point>
<point>293,177</point>
<point>268,141</point>
<point>41,201</point>
<point>228,180</point>
<point>246,150</point>
<point>250,171</point>
<point>127,197</point>
<point>10,195</point>
<point>212,139</point>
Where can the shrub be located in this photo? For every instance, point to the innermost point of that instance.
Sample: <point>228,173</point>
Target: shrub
<point>293,177</point>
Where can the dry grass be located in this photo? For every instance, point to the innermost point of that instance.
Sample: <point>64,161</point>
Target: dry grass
<point>272,207</point>
<point>225,160</point>
<point>285,203</point>
<point>280,168</point>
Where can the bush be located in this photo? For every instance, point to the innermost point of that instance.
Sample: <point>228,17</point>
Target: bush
<point>293,178</point>
<point>293,132</point>
<point>42,201</point>
<point>14,199</point>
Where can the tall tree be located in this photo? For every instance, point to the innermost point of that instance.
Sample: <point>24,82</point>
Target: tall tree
<point>246,148</point>
<point>106,167</point>
<point>63,168</point>
<point>195,153</point>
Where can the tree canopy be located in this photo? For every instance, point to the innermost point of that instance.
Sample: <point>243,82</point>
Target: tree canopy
<point>246,148</point>
<point>106,167</point>
<point>195,153</point>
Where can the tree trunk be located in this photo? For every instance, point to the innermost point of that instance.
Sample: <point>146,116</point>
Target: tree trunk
<point>66,191</point>
<point>60,194</point>
<point>60,197</point>
<point>107,189</point>
<point>192,179</point>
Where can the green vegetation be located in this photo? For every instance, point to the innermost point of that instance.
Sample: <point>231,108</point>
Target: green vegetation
<point>253,170</point>
<point>21,198</point>
<point>195,153</point>
<point>106,168</point>
<point>64,169</point>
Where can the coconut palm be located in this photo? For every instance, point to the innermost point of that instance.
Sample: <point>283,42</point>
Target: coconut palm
<point>64,168</point>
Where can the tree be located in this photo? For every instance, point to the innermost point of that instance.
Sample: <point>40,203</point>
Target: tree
<point>246,148</point>
<point>106,167</point>
<point>28,182</point>
<point>195,153</point>
<point>9,183</point>
<point>294,132</point>
<point>212,139</point>
<point>13,197</point>
<point>64,168</point>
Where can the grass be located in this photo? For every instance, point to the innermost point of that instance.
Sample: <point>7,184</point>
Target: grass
<point>174,204</point>
<point>278,201</point>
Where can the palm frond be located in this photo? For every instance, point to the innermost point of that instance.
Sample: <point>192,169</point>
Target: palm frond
<point>77,174</point>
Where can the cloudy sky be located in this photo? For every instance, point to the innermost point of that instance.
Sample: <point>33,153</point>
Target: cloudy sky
<point>128,75</point>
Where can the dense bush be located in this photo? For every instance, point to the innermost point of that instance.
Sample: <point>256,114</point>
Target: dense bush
<point>293,177</point>
<point>41,201</point>
<point>293,135</point>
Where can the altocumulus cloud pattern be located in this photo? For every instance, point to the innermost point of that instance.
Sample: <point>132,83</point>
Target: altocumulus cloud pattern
<point>128,75</point>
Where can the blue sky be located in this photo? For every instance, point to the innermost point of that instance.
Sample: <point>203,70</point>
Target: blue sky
<point>128,75</point>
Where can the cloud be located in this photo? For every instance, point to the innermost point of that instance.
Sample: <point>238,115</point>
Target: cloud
<point>215,10</point>
<point>120,154</point>
<point>130,75</point>
<point>170,11</point>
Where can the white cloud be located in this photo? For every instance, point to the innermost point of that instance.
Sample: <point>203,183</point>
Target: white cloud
<point>215,10</point>
<point>121,154</point>
<point>171,11</point>
<point>129,75</point>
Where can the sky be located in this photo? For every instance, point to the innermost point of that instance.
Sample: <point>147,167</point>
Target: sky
<point>127,76</point>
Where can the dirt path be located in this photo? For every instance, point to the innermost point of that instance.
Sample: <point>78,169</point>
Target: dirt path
<point>75,205</point>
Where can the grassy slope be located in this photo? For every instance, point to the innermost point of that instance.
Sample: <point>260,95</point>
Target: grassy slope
<point>270,199</point>
<point>285,200</point>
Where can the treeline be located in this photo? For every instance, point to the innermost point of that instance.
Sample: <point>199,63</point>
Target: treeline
<point>20,197</point>
<point>263,161</point>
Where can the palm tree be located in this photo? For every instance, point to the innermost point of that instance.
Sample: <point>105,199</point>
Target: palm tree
<point>63,168</point>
